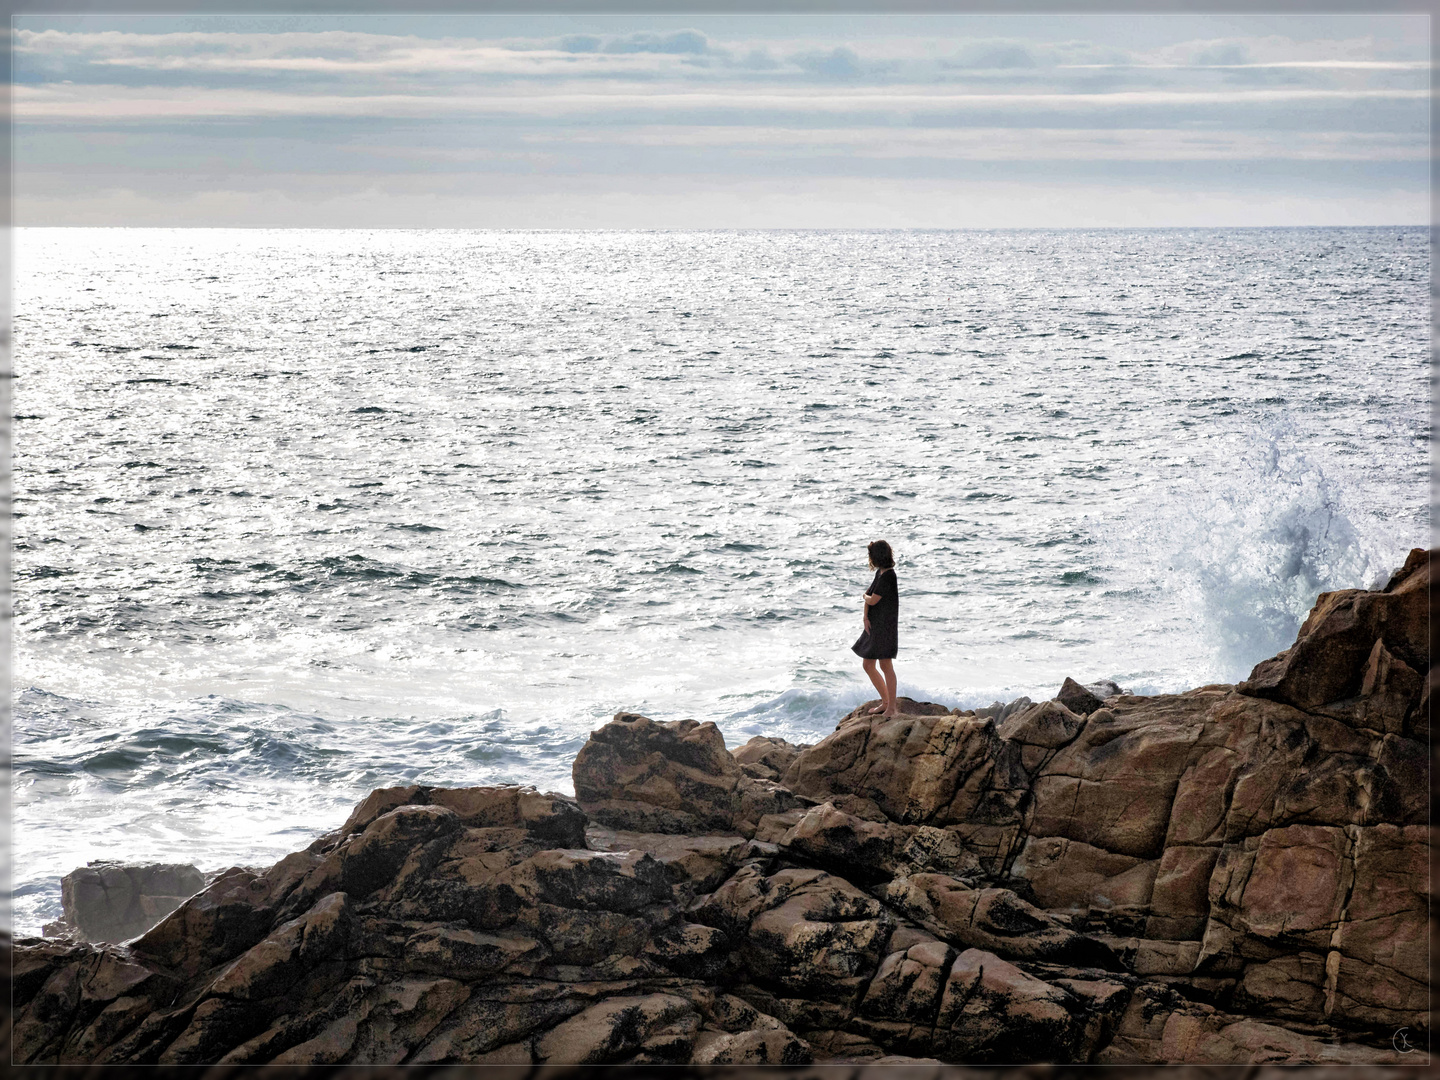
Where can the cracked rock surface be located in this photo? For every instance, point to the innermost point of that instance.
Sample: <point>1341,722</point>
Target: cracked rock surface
<point>1225,876</point>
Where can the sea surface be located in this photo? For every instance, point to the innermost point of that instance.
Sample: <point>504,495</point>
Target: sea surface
<point>304,513</point>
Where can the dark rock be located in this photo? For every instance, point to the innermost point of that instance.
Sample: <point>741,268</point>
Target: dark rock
<point>766,758</point>
<point>918,769</point>
<point>1047,726</point>
<point>110,901</point>
<point>991,918</point>
<point>642,776</point>
<point>1390,691</point>
<point>1077,698</point>
<point>903,705</point>
<point>1105,689</point>
<point>1020,704</point>
<point>656,1028</point>
<point>1328,660</point>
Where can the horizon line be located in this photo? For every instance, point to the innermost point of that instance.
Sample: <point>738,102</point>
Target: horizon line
<point>723,228</point>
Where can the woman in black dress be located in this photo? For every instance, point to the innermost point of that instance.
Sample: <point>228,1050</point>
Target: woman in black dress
<point>881,619</point>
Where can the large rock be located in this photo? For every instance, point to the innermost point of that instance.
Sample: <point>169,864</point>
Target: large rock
<point>1328,660</point>
<point>802,933</point>
<point>111,901</point>
<point>918,769</point>
<point>642,776</point>
<point>1078,699</point>
<point>992,919</point>
<point>766,757</point>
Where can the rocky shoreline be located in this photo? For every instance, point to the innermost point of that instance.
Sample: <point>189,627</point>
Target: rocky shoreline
<point>1236,874</point>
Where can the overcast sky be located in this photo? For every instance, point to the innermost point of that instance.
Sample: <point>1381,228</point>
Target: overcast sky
<point>722,122</point>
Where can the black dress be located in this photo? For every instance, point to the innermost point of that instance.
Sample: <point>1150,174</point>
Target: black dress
<point>878,643</point>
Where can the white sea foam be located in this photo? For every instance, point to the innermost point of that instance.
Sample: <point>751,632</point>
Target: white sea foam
<point>1243,546</point>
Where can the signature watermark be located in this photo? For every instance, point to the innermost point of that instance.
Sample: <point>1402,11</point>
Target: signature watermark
<point>1401,1042</point>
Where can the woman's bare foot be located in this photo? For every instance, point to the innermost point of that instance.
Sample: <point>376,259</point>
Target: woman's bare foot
<point>877,709</point>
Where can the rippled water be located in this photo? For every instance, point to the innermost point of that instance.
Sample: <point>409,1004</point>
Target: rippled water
<point>302,513</point>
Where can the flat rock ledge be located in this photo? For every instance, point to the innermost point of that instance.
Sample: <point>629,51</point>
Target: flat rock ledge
<point>1228,875</point>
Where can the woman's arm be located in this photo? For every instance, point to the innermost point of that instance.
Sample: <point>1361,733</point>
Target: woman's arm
<point>872,598</point>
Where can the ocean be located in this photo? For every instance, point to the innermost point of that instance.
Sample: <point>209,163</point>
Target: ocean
<point>302,513</point>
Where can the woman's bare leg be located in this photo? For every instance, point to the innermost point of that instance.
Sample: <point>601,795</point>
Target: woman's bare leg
<point>879,684</point>
<point>888,693</point>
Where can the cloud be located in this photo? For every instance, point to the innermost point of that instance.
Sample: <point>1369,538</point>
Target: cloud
<point>1317,65</point>
<point>838,63</point>
<point>351,53</point>
<point>994,54</point>
<point>759,59</point>
<point>98,102</point>
<point>1011,144</point>
<point>1222,53</point>
<point>581,43</point>
<point>111,56</point>
<point>682,42</point>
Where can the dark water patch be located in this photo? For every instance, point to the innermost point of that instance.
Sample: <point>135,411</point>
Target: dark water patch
<point>1079,577</point>
<point>487,754</point>
<point>479,581</point>
<point>416,528</point>
<point>468,623</point>
<point>365,409</point>
<point>116,761</point>
<point>40,573</point>
<point>673,568</point>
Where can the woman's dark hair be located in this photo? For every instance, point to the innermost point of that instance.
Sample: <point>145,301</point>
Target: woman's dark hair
<point>880,555</point>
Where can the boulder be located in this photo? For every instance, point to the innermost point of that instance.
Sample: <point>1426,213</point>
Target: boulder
<point>642,776</point>
<point>869,851</point>
<point>1328,660</point>
<point>1389,692</point>
<point>801,932</point>
<point>1078,699</point>
<point>654,1028</point>
<point>766,758</point>
<point>992,919</point>
<point>111,901</point>
<point>933,769</point>
<point>991,1011</point>
<point>1105,688</point>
